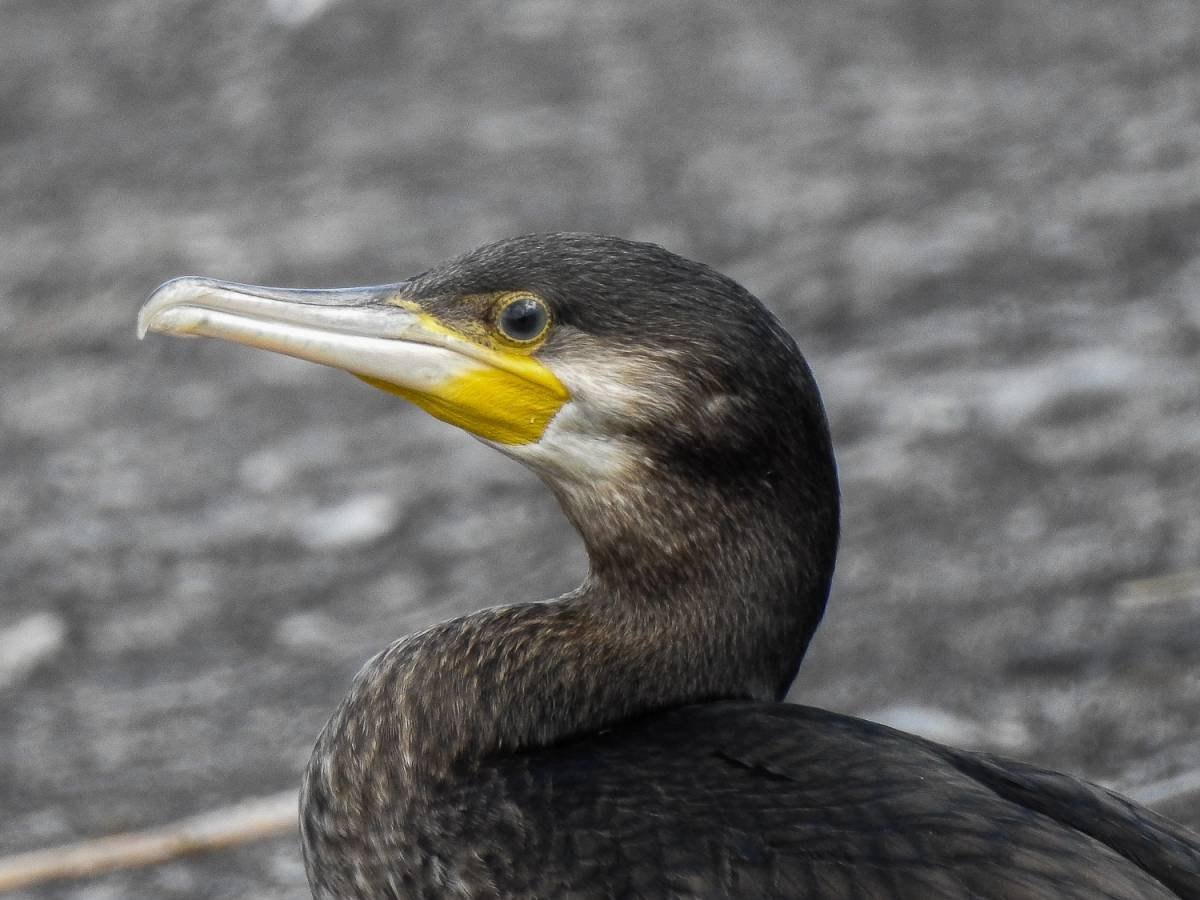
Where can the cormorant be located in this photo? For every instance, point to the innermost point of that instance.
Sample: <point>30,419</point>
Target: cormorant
<point>628,739</point>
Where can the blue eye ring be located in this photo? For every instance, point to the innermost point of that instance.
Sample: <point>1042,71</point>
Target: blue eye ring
<point>523,319</point>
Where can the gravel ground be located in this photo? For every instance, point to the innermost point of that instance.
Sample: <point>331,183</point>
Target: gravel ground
<point>981,218</point>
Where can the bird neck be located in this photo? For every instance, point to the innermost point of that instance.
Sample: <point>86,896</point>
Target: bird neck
<point>735,563</point>
<point>697,591</point>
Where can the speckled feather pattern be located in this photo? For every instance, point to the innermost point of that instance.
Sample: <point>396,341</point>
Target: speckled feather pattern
<point>771,800</point>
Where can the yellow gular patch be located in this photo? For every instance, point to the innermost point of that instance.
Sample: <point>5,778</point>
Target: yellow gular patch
<point>501,395</point>
<point>496,404</point>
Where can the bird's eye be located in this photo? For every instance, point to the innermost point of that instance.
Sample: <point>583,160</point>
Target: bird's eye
<point>524,319</point>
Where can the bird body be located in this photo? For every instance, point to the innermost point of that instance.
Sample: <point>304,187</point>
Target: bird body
<point>742,799</point>
<point>629,738</point>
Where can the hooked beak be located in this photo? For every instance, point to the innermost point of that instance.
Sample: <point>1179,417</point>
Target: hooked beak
<point>378,335</point>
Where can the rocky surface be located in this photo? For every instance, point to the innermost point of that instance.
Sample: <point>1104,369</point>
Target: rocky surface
<point>981,219</point>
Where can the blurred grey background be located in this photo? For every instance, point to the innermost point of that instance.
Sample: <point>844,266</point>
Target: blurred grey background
<point>980,218</point>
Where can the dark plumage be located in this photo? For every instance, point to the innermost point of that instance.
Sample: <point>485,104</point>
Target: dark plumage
<point>628,739</point>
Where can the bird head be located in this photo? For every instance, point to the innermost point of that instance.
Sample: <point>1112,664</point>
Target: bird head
<point>577,354</point>
<point>651,392</point>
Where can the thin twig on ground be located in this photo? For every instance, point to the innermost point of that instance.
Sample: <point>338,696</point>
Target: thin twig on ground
<point>229,826</point>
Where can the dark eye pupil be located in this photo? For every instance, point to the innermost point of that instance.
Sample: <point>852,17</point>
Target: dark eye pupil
<point>523,320</point>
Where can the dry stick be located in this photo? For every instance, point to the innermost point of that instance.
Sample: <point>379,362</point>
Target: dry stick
<point>1163,790</point>
<point>229,826</point>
